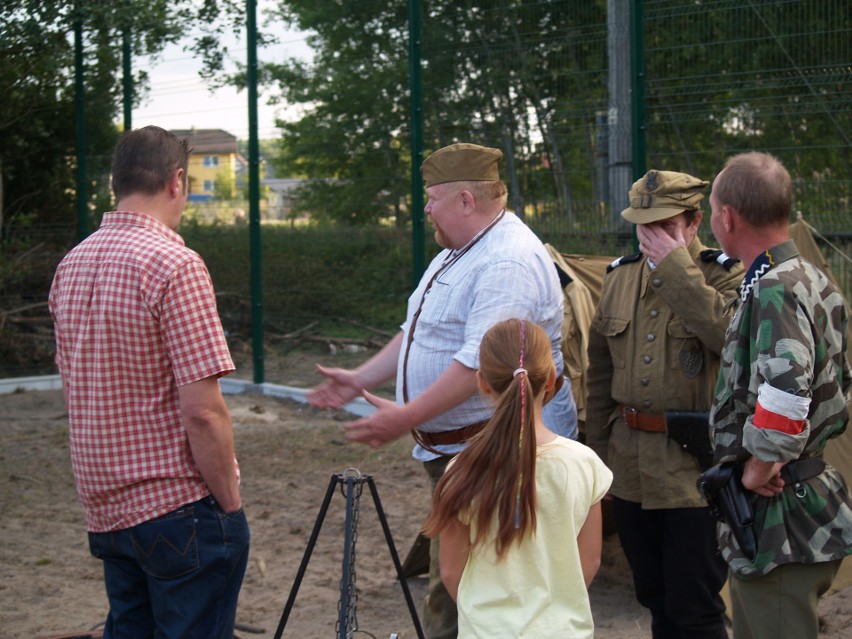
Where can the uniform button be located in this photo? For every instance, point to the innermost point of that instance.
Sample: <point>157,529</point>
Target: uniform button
<point>647,403</point>
<point>655,313</point>
<point>651,337</point>
<point>657,281</point>
<point>647,359</point>
<point>645,381</point>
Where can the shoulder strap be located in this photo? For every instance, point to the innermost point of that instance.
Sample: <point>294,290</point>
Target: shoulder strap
<point>624,259</point>
<point>719,256</point>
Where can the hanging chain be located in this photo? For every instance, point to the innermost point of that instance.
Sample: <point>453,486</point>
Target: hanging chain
<point>348,578</point>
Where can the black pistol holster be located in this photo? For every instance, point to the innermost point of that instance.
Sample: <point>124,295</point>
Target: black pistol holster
<point>722,488</point>
<point>691,431</point>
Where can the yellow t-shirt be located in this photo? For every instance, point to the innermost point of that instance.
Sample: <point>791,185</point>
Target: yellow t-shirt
<point>537,590</point>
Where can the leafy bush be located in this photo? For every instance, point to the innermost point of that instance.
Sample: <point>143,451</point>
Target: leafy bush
<point>310,275</point>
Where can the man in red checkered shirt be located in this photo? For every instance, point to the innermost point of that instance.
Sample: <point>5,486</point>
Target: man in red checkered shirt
<point>140,350</point>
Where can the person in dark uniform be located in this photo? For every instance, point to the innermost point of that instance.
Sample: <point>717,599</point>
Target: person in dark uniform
<point>654,349</point>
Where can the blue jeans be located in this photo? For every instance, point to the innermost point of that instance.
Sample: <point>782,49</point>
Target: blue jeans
<point>177,576</point>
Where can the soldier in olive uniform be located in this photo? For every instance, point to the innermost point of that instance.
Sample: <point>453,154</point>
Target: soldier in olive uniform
<point>781,396</point>
<point>654,352</point>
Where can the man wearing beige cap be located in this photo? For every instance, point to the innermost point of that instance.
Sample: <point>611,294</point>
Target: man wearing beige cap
<point>654,349</point>
<point>492,268</point>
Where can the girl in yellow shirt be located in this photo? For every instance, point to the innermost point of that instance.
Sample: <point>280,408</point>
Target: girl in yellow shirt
<point>518,511</point>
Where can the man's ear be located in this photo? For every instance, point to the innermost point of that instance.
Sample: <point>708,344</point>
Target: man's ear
<point>696,221</point>
<point>729,220</point>
<point>468,201</point>
<point>176,183</point>
<point>483,385</point>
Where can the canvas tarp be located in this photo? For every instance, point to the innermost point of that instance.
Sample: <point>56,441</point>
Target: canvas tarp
<point>581,277</point>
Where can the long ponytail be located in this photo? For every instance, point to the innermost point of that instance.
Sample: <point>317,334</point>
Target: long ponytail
<point>495,474</point>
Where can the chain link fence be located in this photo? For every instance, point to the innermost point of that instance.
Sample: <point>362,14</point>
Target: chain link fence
<point>550,83</point>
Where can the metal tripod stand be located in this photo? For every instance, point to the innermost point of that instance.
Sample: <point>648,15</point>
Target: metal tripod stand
<point>352,481</point>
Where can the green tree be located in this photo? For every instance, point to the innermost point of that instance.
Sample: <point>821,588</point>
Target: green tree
<point>493,72</point>
<point>223,186</point>
<point>760,75</point>
<point>37,115</point>
<point>531,78</point>
<point>348,141</point>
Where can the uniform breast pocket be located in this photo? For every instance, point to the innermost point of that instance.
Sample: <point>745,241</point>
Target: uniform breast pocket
<point>685,351</point>
<point>615,331</point>
<point>437,304</point>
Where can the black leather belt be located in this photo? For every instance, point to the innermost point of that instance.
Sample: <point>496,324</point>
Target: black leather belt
<point>799,470</point>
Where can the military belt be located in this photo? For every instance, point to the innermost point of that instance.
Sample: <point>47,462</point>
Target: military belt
<point>649,422</point>
<point>799,470</point>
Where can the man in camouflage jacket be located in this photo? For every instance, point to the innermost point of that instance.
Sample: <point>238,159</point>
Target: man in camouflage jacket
<point>654,347</point>
<point>782,393</point>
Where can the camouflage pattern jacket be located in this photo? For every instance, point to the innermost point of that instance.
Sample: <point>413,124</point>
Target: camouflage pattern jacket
<point>788,333</point>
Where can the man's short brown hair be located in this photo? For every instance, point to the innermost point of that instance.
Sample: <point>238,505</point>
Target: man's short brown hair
<point>758,187</point>
<point>485,191</point>
<point>145,159</point>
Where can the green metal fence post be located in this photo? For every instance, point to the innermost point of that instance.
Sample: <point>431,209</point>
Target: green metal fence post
<point>254,197</point>
<point>637,100</point>
<point>80,126</point>
<point>637,85</point>
<point>127,78</point>
<point>418,261</point>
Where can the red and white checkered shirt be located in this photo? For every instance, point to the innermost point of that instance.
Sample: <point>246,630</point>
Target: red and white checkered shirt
<point>135,318</point>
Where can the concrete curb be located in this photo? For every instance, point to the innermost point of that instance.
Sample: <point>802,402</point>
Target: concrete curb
<point>359,407</point>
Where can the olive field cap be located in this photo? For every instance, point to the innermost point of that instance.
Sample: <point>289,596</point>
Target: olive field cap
<point>659,195</point>
<point>461,163</point>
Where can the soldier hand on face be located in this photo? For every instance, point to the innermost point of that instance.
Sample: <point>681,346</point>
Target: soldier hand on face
<point>658,239</point>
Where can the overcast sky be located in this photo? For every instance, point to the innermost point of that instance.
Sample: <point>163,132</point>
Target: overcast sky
<point>180,99</point>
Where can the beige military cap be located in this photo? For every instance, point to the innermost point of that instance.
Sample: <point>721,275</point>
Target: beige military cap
<point>659,195</point>
<point>461,162</point>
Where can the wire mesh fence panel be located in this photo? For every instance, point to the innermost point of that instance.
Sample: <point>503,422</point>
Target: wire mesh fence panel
<point>726,76</point>
<point>531,79</point>
<point>547,82</point>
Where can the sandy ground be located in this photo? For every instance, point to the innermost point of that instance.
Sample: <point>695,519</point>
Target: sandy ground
<point>289,455</point>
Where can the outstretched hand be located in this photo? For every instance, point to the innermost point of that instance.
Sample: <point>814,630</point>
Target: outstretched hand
<point>389,422</point>
<point>340,387</point>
